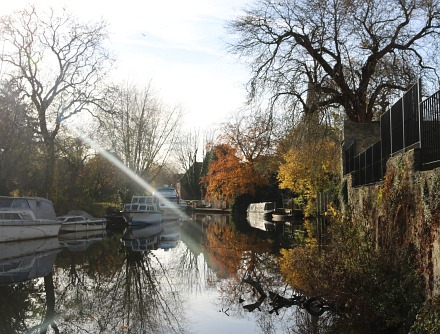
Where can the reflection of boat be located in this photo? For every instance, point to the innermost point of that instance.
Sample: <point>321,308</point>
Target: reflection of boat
<point>142,238</point>
<point>142,210</point>
<point>81,221</point>
<point>170,235</point>
<point>23,218</point>
<point>27,259</point>
<point>80,241</point>
<point>260,221</point>
<point>169,203</point>
<point>153,236</point>
<point>264,208</point>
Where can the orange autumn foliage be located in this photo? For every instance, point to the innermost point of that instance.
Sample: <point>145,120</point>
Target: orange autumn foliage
<point>229,251</point>
<point>228,176</point>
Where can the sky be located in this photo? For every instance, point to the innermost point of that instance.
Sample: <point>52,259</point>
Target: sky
<point>178,46</point>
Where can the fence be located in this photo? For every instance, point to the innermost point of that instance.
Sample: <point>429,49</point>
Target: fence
<point>409,123</point>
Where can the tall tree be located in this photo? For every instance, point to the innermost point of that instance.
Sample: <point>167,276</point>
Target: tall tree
<point>19,153</point>
<point>252,133</point>
<point>187,151</point>
<point>57,65</point>
<point>140,129</point>
<point>351,54</point>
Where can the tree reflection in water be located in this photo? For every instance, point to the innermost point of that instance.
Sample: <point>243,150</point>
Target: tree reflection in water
<point>241,259</point>
<point>249,279</point>
<point>133,293</point>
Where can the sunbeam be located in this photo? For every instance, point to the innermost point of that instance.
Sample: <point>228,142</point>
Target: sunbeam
<point>118,164</point>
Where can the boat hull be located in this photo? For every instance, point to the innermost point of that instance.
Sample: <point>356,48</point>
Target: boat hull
<point>143,218</point>
<point>80,227</point>
<point>22,230</point>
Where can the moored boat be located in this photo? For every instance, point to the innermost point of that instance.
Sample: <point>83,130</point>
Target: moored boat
<point>264,208</point>
<point>81,222</point>
<point>141,211</point>
<point>169,203</point>
<point>24,218</point>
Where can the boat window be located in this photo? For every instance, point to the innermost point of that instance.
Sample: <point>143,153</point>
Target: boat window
<point>27,216</point>
<point>77,219</point>
<point>142,207</point>
<point>142,200</point>
<point>9,215</point>
<point>20,203</point>
<point>6,202</point>
<point>70,219</point>
<point>135,200</point>
<point>269,206</point>
<point>134,207</point>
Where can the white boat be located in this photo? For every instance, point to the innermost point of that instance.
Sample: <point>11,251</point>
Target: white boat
<point>23,218</point>
<point>81,221</point>
<point>169,203</point>
<point>142,210</point>
<point>264,208</point>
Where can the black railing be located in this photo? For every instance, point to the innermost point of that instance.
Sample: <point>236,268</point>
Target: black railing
<point>408,123</point>
<point>430,131</point>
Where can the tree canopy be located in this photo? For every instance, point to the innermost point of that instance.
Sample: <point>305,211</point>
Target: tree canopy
<point>349,54</point>
<point>229,177</point>
<point>57,65</point>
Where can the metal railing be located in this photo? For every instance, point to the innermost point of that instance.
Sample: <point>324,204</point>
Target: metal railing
<point>407,124</point>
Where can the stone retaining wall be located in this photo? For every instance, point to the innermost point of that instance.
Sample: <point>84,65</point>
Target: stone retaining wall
<point>404,207</point>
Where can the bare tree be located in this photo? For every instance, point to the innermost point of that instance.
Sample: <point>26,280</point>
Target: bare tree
<point>252,133</point>
<point>140,129</point>
<point>191,156</point>
<point>57,65</point>
<point>350,54</point>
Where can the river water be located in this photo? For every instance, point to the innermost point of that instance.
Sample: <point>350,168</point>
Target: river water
<point>198,275</point>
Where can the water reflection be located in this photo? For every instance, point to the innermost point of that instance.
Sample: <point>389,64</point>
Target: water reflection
<point>21,261</point>
<point>204,274</point>
<point>81,241</point>
<point>164,235</point>
<point>263,222</point>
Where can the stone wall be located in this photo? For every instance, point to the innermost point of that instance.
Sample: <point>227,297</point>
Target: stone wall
<point>405,207</point>
<point>362,134</point>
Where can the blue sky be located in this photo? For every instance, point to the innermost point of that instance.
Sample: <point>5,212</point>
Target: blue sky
<point>177,45</point>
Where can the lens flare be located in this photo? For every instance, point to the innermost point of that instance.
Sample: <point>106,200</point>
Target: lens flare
<point>118,164</point>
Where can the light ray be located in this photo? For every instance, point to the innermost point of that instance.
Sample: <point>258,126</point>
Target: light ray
<point>122,167</point>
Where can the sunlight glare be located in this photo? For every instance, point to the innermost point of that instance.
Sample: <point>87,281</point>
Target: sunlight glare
<point>122,167</point>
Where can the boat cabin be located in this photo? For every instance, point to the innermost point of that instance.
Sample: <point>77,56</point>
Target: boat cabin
<point>41,207</point>
<point>263,207</point>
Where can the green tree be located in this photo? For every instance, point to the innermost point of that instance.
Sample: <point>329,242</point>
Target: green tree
<point>18,151</point>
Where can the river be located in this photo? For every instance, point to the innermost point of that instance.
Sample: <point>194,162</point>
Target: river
<point>204,274</point>
<point>178,279</point>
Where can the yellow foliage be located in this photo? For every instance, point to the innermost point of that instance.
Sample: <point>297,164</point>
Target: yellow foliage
<point>296,267</point>
<point>309,167</point>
